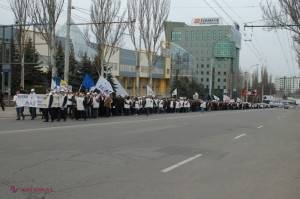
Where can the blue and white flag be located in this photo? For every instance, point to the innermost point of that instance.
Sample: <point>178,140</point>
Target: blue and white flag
<point>104,86</point>
<point>55,83</point>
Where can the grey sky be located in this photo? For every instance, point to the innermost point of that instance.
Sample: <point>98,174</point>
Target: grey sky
<point>266,45</point>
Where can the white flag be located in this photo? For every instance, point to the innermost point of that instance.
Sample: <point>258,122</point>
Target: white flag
<point>174,93</point>
<point>226,98</point>
<point>150,91</point>
<point>120,90</point>
<point>216,98</point>
<point>104,86</point>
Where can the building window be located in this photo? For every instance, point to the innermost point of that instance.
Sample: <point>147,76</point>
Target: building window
<point>207,79</point>
<point>201,79</point>
<point>207,72</point>
<point>219,79</point>
<point>215,35</point>
<point>219,87</point>
<point>207,86</point>
<point>202,73</point>
<point>176,36</point>
<point>219,73</point>
<point>225,80</point>
<point>224,87</point>
<point>225,73</point>
<point>202,65</point>
<point>187,35</point>
<point>207,65</point>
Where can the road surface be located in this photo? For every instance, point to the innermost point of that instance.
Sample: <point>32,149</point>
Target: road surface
<point>217,155</point>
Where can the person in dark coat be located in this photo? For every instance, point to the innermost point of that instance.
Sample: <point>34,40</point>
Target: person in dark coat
<point>2,101</point>
<point>49,108</point>
<point>63,100</point>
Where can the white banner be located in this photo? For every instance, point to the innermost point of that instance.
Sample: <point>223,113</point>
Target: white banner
<point>38,101</point>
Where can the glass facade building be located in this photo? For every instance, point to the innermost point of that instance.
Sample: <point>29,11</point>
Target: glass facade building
<point>208,45</point>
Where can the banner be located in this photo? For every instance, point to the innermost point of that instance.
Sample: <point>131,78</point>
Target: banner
<point>38,101</point>
<point>104,86</point>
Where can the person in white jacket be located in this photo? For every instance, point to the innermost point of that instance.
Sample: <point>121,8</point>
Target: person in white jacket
<point>96,105</point>
<point>19,107</point>
<point>161,106</point>
<point>203,106</point>
<point>148,105</point>
<point>81,113</point>
<point>32,105</point>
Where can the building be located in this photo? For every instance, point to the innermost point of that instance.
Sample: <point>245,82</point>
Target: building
<point>129,74</point>
<point>287,85</point>
<point>123,62</point>
<point>210,44</point>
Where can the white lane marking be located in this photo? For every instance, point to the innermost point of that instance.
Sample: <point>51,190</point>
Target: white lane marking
<point>180,163</point>
<point>239,136</point>
<point>261,126</point>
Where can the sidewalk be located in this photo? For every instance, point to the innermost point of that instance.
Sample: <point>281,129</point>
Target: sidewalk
<point>10,112</point>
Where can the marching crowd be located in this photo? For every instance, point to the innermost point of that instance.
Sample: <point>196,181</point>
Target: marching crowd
<point>81,105</point>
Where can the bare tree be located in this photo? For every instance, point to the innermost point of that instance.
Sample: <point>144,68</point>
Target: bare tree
<point>45,14</point>
<point>135,12</point>
<point>108,26</point>
<point>20,9</point>
<point>285,14</point>
<point>151,15</point>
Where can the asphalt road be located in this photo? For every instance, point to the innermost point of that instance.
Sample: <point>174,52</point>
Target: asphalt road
<point>216,155</point>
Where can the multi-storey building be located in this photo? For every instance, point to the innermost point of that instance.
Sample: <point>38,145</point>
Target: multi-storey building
<point>287,85</point>
<point>215,50</point>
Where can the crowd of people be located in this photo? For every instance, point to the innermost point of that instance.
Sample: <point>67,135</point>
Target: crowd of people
<point>89,105</point>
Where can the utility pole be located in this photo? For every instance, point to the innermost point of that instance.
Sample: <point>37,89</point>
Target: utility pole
<point>211,76</point>
<point>247,85</point>
<point>138,67</point>
<point>67,43</point>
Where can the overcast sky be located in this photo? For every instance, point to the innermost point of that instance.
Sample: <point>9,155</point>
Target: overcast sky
<point>274,49</point>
